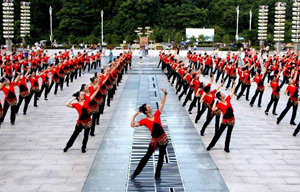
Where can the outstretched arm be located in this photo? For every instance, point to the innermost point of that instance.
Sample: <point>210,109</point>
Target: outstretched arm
<point>221,84</point>
<point>232,89</point>
<point>162,103</point>
<point>133,123</point>
<point>68,104</point>
<point>215,104</point>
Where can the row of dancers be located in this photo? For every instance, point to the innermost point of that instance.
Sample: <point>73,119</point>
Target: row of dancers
<point>186,73</point>
<point>18,69</point>
<point>91,99</point>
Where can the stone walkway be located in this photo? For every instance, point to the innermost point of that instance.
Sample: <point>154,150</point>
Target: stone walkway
<point>263,156</point>
<point>31,156</point>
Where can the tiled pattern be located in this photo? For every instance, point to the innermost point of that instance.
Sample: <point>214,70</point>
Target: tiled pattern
<point>149,93</point>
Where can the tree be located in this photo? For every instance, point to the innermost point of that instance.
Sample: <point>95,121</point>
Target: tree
<point>178,37</point>
<point>192,40</point>
<point>107,38</point>
<point>72,39</point>
<point>226,39</point>
<point>166,37</point>
<point>217,38</point>
<point>115,39</point>
<point>201,38</point>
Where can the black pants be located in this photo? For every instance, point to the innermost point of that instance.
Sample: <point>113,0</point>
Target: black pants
<point>218,135</point>
<point>27,101</point>
<point>255,95</point>
<point>87,65</point>
<point>67,79</point>
<point>297,130</point>
<point>230,79</point>
<point>185,86</point>
<point>36,95</point>
<point>44,87</point>
<point>160,61</point>
<point>76,132</point>
<point>144,160</point>
<point>94,117</point>
<point>51,85</point>
<point>94,65</point>
<point>218,74</point>
<point>98,63</point>
<point>274,100</point>
<point>189,96</point>
<point>194,102</point>
<point>285,80</point>
<point>209,117</point>
<point>238,86</point>
<point>61,83</point>
<point>200,111</point>
<point>102,106</point>
<point>287,108</point>
<point>244,87</point>
<point>13,111</point>
<point>109,96</point>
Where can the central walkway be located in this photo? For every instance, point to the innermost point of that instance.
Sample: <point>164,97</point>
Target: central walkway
<point>187,166</point>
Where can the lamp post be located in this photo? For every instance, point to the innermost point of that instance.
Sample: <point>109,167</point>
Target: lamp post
<point>262,23</point>
<point>143,31</point>
<point>280,8</point>
<point>51,35</point>
<point>8,22</point>
<point>102,27</point>
<point>296,24</point>
<point>25,19</point>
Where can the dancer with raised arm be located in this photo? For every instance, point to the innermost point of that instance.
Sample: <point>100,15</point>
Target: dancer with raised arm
<point>159,137</point>
<point>225,106</point>
<point>84,120</point>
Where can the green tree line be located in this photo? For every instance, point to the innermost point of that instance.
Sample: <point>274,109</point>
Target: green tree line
<point>75,21</point>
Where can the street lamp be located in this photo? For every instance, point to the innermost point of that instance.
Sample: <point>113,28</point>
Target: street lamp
<point>296,24</point>
<point>25,19</point>
<point>8,21</point>
<point>280,8</point>
<point>262,23</point>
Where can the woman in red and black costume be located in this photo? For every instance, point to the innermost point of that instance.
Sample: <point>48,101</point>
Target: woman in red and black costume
<point>246,82</point>
<point>103,89</point>
<point>55,79</point>
<point>258,79</point>
<point>8,71</point>
<point>208,97</point>
<point>45,82</point>
<point>274,84</point>
<point>292,89</point>
<point>72,68</point>
<point>93,105</point>
<point>24,91</point>
<point>34,89</point>
<point>10,98</point>
<point>224,105</point>
<point>84,121</point>
<point>159,137</point>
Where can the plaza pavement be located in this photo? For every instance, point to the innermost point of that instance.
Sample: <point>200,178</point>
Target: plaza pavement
<point>264,156</point>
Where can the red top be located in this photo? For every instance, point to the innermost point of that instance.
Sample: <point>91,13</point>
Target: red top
<point>293,90</point>
<point>259,81</point>
<point>275,87</point>
<point>149,124</point>
<point>45,77</point>
<point>9,92</point>
<point>83,110</point>
<point>227,109</point>
<point>34,81</point>
<point>208,99</point>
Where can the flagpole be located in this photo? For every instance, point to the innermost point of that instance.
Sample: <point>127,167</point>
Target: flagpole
<point>102,27</point>
<point>250,20</point>
<point>50,11</point>
<point>237,24</point>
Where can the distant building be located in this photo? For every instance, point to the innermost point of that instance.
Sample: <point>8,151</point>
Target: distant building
<point>207,33</point>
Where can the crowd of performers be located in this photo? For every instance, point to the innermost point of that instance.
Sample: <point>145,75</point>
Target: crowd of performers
<point>35,76</point>
<point>279,72</point>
